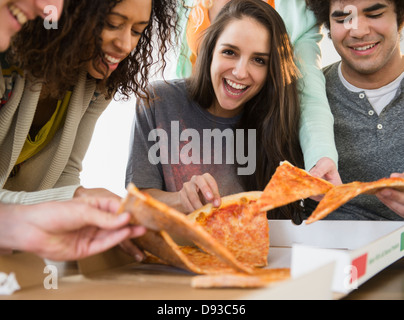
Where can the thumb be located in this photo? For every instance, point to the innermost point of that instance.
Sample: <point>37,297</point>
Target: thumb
<point>318,171</point>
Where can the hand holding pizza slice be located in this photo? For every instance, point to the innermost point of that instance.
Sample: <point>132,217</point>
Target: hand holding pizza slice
<point>393,199</point>
<point>290,184</point>
<point>340,195</point>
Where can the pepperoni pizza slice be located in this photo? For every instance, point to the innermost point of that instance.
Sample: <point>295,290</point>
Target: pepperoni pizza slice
<point>238,226</point>
<point>341,194</point>
<point>290,184</point>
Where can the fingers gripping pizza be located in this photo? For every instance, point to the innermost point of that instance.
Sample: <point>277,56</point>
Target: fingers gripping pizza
<point>340,195</point>
<point>290,184</point>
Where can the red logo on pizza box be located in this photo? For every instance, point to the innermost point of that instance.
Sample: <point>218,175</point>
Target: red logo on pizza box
<point>359,267</point>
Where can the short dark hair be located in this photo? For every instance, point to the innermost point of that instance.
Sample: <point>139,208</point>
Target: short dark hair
<point>321,9</point>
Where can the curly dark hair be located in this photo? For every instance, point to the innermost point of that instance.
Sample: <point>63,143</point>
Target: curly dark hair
<point>57,56</point>
<point>321,9</point>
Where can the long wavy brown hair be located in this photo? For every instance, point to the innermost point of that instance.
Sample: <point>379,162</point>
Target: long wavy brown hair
<point>275,111</point>
<point>56,56</point>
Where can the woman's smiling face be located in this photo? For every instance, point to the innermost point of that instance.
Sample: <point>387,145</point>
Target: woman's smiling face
<point>239,65</point>
<point>123,29</point>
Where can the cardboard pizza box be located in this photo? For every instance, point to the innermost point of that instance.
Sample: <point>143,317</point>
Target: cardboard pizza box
<point>27,268</point>
<point>360,249</point>
<point>328,260</point>
<point>21,270</point>
<point>178,282</point>
<point>111,275</point>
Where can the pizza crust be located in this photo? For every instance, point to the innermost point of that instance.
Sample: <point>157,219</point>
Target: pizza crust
<point>162,220</point>
<point>342,194</point>
<point>290,184</point>
<point>262,278</point>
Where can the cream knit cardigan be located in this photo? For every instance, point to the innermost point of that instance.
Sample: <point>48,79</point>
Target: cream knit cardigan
<point>54,173</point>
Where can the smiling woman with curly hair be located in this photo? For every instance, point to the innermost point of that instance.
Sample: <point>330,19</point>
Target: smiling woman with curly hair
<point>56,83</point>
<point>78,40</point>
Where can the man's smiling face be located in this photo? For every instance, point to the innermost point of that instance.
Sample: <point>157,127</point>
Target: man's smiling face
<point>371,40</point>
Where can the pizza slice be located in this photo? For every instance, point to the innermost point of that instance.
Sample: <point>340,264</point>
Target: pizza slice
<point>161,249</point>
<point>248,233</point>
<point>205,263</point>
<point>162,220</point>
<point>215,274</point>
<point>290,184</point>
<point>341,194</point>
<point>238,226</point>
<point>259,279</point>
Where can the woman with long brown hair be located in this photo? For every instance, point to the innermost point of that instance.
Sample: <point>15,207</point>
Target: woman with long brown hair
<point>316,132</point>
<point>244,89</point>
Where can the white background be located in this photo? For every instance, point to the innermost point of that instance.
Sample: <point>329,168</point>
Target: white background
<point>105,163</point>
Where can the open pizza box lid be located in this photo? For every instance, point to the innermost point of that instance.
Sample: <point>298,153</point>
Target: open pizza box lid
<point>360,249</point>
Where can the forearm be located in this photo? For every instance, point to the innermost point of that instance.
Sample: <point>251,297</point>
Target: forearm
<point>28,198</point>
<point>317,122</point>
<point>10,227</point>
<point>171,199</point>
<point>316,130</point>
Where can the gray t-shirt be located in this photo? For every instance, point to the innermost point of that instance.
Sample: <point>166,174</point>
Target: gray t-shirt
<point>171,142</point>
<point>370,146</point>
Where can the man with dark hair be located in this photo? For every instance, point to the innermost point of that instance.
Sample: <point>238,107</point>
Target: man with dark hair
<point>366,94</point>
<point>321,9</point>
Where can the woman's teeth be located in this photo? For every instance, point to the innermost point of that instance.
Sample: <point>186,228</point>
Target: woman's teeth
<point>235,85</point>
<point>111,60</point>
<point>18,14</point>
